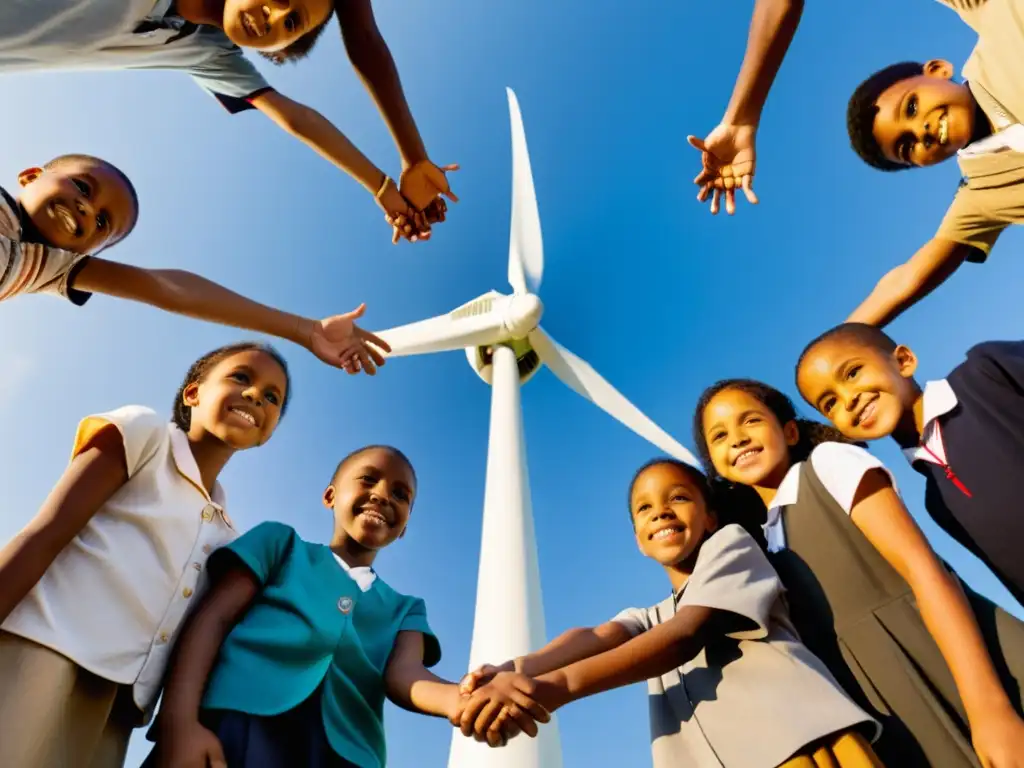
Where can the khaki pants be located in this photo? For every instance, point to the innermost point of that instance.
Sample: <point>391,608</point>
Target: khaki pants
<point>54,714</point>
<point>842,750</point>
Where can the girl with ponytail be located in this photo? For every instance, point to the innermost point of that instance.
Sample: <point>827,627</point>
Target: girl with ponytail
<point>867,593</point>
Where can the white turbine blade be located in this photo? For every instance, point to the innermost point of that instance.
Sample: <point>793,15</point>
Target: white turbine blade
<point>525,248</point>
<point>476,324</point>
<point>580,376</point>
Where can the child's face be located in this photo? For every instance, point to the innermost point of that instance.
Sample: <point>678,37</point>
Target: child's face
<point>926,119</point>
<point>272,25</point>
<point>864,391</point>
<point>78,206</point>
<point>239,402</point>
<point>372,497</point>
<point>747,444</point>
<point>670,514</point>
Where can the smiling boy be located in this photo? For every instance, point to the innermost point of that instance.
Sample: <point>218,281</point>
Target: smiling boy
<point>965,433</point>
<point>911,115</point>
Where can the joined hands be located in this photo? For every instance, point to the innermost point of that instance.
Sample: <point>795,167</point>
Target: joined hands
<point>497,704</point>
<point>417,202</point>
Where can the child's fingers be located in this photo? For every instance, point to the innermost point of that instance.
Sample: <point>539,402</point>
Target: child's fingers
<point>374,339</point>
<point>748,189</point>
<point>715,199</point>
<point>470,712</point>
<point>523,721</point>
<point>483,720</point>
<point>366,362</point>
<point>696,143</point>
<point>730,201</point>
<point>702,195</point>
<point>535,710</point>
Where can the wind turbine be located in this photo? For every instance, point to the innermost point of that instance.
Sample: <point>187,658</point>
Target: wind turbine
<point>506,346</point>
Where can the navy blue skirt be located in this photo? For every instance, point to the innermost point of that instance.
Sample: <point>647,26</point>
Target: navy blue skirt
<point>292,739</point>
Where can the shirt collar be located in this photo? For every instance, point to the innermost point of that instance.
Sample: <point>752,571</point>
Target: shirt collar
<point>186,465</point>
<point>787,493</point>
<point>938,400</point>
<point>362,575</point>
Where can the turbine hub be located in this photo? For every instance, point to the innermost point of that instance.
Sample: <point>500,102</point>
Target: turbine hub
<point>522,314</point>
<point>527,360</point>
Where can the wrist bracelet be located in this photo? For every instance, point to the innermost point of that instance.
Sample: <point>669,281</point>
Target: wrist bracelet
<point>383,186</point>
<point>517,664</point>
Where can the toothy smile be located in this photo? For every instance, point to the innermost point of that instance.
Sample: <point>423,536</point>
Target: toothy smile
<point>250,26</point>
<point>244,415</point>
<point>866,416</point>
<point>63,214</point>
<point>943,132</point>
<point>667,533</point>
<point>374,516</point>
<point>749,456</point>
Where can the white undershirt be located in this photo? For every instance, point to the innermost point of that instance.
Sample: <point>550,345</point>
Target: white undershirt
<point>362,575</point>
<point>840,467</point>
<point>938,400</point>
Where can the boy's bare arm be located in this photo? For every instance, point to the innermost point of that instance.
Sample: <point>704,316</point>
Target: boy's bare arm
<point>373,62</point>
<point>910,282</point>
<point>412,686</point>
<point>190,295</point>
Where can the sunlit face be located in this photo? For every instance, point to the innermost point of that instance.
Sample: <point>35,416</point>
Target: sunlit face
<point>239,401</point>
<point>926,119</point>
<point>865,392</point>
<point>747,444</point>
<point>372,497</point>
<point>670,514</point>
<point>272,25</point>
<point>78,206</point>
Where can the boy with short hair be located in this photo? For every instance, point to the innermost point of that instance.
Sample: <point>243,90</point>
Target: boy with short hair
<point>203,38</point>
<point>77,205</point>
<point>912,115</point>
<point>965,433</point>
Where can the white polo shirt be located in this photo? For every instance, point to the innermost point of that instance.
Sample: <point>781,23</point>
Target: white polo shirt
<point>115,599</point>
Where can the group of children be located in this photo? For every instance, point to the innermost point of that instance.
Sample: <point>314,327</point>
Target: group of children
<point>809,621</point>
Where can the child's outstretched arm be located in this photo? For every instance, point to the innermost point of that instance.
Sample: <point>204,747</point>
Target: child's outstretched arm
<point>97,471</point>
<point>572,645</point>
<point>421,181</point>
<point>308,125</point>
<point>181,739</point>
<point>904,286</point>
<point>650,654</point>
<point>335,340</point>
<point>727,152</point>
<point>996,730</point>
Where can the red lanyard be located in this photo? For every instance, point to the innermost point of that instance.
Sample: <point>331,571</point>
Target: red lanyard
<point>950,474</point>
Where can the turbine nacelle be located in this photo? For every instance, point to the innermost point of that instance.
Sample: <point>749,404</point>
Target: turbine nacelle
<point>520,314</point>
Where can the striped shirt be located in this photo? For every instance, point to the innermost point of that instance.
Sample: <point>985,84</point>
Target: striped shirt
<point>33,267</point>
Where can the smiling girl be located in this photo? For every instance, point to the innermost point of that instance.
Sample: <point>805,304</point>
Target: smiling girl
<point>96,587</point>
<point>867,593</point>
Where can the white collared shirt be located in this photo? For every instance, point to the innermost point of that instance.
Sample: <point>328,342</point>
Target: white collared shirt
<point>1009,139</point>
<point>938,400</point>
<point>114,600</point>
<point>362,575</point>
<point>839,466</point>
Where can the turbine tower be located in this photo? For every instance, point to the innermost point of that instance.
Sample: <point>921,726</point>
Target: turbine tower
<point>506,346</point>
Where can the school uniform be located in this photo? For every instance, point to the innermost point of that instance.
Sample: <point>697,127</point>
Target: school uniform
<point>300,679</point>
<point>82,657</point>
<point>991,195</point>
<point>33,267</point>
<point>752,699</point>
<point>972,455</point>
<point>856,613</point>
<point>125,34</point>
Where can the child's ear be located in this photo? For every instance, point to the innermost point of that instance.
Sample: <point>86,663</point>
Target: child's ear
<point>329,496</point>
<point>190,395</point>
<point>939,68</point>
<point>29,175</point>
<point>906,361</point>
<point>792,433</point>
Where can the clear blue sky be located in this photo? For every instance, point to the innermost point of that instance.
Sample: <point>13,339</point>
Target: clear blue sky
<point>641,281</point>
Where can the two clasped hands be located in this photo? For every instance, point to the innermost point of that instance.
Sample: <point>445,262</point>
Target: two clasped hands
<point>416,202</point>
<point>498,703</point>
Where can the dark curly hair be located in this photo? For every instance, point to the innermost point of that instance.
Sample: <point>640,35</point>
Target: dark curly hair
<point>812,433</point>
<point>698,478</point>
<point>862,109</point>
<point>182,414</point>
<point>296,51</point>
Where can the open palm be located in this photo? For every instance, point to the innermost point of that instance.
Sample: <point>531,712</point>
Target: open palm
<point>728,157</point>
<point>338,341</point>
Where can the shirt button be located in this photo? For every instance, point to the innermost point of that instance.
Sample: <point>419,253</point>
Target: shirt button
<point>207,549</point>
<point>164,637</point>
<point>186,593</point>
